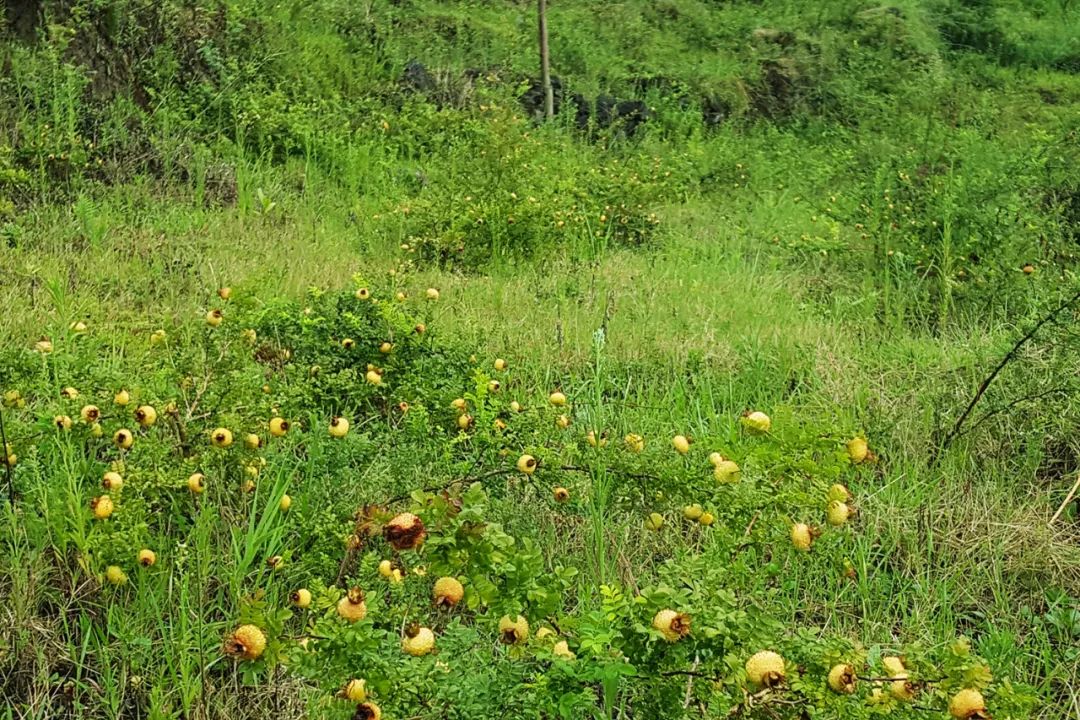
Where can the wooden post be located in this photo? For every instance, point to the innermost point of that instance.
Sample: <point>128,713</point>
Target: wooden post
<point>545,61</point>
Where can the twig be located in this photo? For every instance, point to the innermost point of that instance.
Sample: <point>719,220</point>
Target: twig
<point>4,456</point>
<point>985,384</point>
<point>1066,501</point>
<point>690,681</point>
<point>1019,401</point>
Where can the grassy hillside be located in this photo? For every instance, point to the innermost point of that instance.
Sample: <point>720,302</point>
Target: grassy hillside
<point>846,215</point>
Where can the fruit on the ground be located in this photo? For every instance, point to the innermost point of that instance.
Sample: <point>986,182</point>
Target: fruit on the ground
<point>765,669</point>
<point>839,492</point>
<point>146,415</point>
<point>693,512</point>
<point>43,346</point>
<point>352,607</point>
<point>893,665</point>
<point>500,364</point>
<point>432,293</point>
<point>214,318</point>
<point>115,576</point>
<point>654,521</point>
<point>252,441</point>
<point>595,441</point>
<point>147,557</point>
<point>405,532</point>
<point>158,337</point>
<point>339,427</point>
<point>706,519</point>
<point>250,336</point>
<point>634,442</point>
<point>122,398</point>
<point>401,297</point>
<point>221,437</point>
<point>224,293</point>
<point>562,422</point>
<point>458,404</point>
<point>123,439</point>
<point>903,689</point>
<point>62,421</point>
<point>279,427</point>
<point>89,414</point>
<point>757,422</point>
<point>354,690</point>
<point>464,421</point>
<point>13,398</point>
<point>78,327</point>
<point>494,386</point>
<point>801,536</point>
<point>386,348</point>
<point>671,624</point>
<point>562,650</point>
<point>526,464</point>
<point>557,398</point>
<point>96,430</point>
<point>418,641</point>
<point>727,471</point>
<point>681,444</point>
<point>560,494</point>
<point>386,568</point>
<point>196,483</point>
<point>363,293</point>
<point>857,450</point>
<point>112,481</point>
<point>102,506</point>
<point>420,328</point>
<point>715,458</point>
<point>838,512</point>
<point>515,406</point>
<point>842,679</point>
<point>373,376</point>
<point>69,393</point>
<point>367,711</point>
<point>285,503</point>
<point>348,343</point>
<point>513,630</point>
<point>300,598</point>
<point>968,704</point>
<point>246,642</point>
<point>447,592</point>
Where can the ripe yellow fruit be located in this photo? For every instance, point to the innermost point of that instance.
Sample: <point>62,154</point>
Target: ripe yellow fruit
<point>654,521</point>
<point>596,442</point>
<point>405,532</point>
<point>893,666</point>
<point>560,494</point>
<point>401,297</point>
<point>102,506</point>
<point>12,398</point>
<point>515,406</point>
<point>494,386</point>
<point>386,568</point>
<point>634,442</point>
<point>842,679</point>
<point>355,690</point>
<point>562,422</point>
<point>432,294</point>
<point>765,669</point>
<point>63,422</point>
<point>367,711</point>
<point>123,439</point>
<point>78,327</point>
<point>301,598</point>
<point>727,471</point>
<point>500,364</point>
<point>418,641</point>
<point>96,430</point>
<point>557,398</point>
<point>857,450</point>
<point>420,328</point>
<point>221,437</point>
<point>112,481</point>
<point>374,377</point>
<point>90,414</point>
<point>839,492</point>
<point>693,512</point>
<point>246,642</point>
<point>363,294</point>
<point>196,482</point>
<point>526,464</point>
<point>681,444</point>
<point>146,415</point>
<point>968,704</point>
<point>158,337</point>
<point>43,346</point>
<point>903,689</point>
<point>224,293</point>
<point>386,348</point>
<point>252,441</point>
<point>458,404</point>
<point>339,427</point>
<point>801,536</point>
<point>352,607</point>
<point>757,422</point>
<point>448,592</point>
<point>513,631</point>
<point>250,336</point>
<point>464,421</point>
<point>285,503</point>
<point>672,625</point>
<point>562,650</point>
<point>348,343</point>
<point>279,426</point>
<point>69,393</point>
<point>115,576</point>
<point>122,398</point>
<point>838,512</point>
<point>147,557</point>
<point>706,519</point>
<point>214,318</point>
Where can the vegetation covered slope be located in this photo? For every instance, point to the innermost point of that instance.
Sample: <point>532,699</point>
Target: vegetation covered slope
<point>841,214</point>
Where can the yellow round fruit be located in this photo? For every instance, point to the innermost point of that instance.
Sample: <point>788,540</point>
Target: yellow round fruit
<point>526,464</point>
<point>63,422</point>
<point>562,650</point>
<point>348,343</point>
<point>355,690</point>
<point>221,438</point>
<point>968,704</point>
<point>374,377</point>
<point>494,386</point>
<point>421,642</point>
<point>279,427</point>
<point>557,398</point>
<point>301,598</point>
<point>352,607</point>
<point>706,519</point>
<point>247,642</point>
<point>367,711</point>
<point>115,576</point>
<point>500,364</point>
<point>903,689</point>
<point>432,293</point>
<point>112,481</point>
<point>89,414</point>
<point>146,415</point>
<point>765,669</point>
<point>285,503</point>
<point>893,665</point>
<point>123,439</point>
<point>515,406</point>
<point>196,483</point>
<point>122,398</point>
<point>214,318</point>
<point>842,679</point>
<point>727,471</point>
<point>562,422</point>
<point>513,631</point>
<point>681,444</point>
<point>634,442</point>
<point>250,336</point>
<point>224,293</point>
<point>693,512</point>
<point>252,441</point>
<point>672,625</point>
<point>654,521</point>
<point>560,494</point>
<point>158,337</point>
<point>43,346</point>
<point>838,513</point>
<point>405,532</point>
<point>69,393</point>
<point>839,492</point>
<point>857,450</point>
<point>448,592</point>
<point>147,557</point>
<point>801,536</point>
<point>464,421</point>
<point>339,427</point>
<point>386,568</point>
<point>102,506</point>
<point>596,442</point>
<point>363,294</point>
<point>757,422</point>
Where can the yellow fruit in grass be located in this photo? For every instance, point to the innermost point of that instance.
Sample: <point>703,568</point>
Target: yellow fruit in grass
<point>596,442</point>
<point>221,438</point>
<point>102,506</point>
<point>367,711</point>
<point>838,512</point>
<point>515,406</point>
<point>63,422</point>
<point>112,481</point>
<point>464,421</point>
<point>765,669</point>
<point>458,404</point>
<point>432,294</point>
<point>500,364</point>
<point>839,493</point>
<point>115,576</point>
<point>89,414</point>
<point>196,483</point>
<point>562,422</point>
<point>214,318</point>
<point>420,328</point>
<point>279,427</point>
<point>405,532</point>
<point>339,427</point>
<point>363,294</point>
<point>681,444</point>
<point>672,625</point>
<point>801,536</point>
<point>842,679</point>
<point>78,327</point>
<point>301,598</point>
<point>706,519</point>
<point>494,386</point>
<point>693,512</point>
<point>401,297</point>
<point>374,377</point>
<point>158,337</point>
<point>513,631</point>
<point>634,442</point>
<point>69,393</point>
<point>348,343</point>
<point>560,494</point>
<point>857,450</point>
<point>355,690</point>
<point>903,689</point>
<point>893,666</point>
<point>252,441</point>
<point>352,607</point>
<point>224,293</point>
<point>386,348</point>
<point>12,398</point>
<point>285,503</point>
<point>968,704</point>
<point>727,471</point>
<point>386,568</point>
<point>43,346</point>
<point>757,422</point>
<point>146,557</point>
<point>526,464</point>
<point>557,398</point>
<point>562,650</point>
<point>123,397</point>
<point>96,430</point>
<point>654,521</point>
<point>545,633</point>
<point>123,439</point>
<point>418,641</point>
<point>246,642</point>
<point>146,415</point>
<point>448,592</point>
